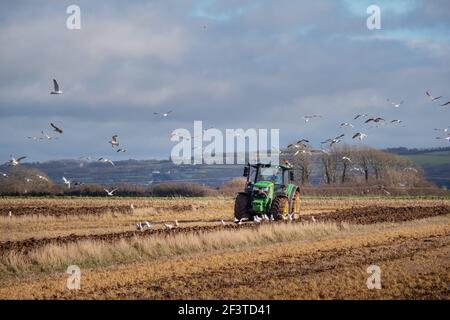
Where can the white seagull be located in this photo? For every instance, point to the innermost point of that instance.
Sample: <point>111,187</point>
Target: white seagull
<point>308,118</point>
<point>66,181</point>
<point>346,159</point>
<point>107,161</point>
<point>163,114</point>
<point>14,162</point>
<point>4,175</point>
<point>360,136</point>
<point>42,177</point>
<point>360,115</point>
<point>47,136</point>
<point>431,97</point>
<point>222,222</point>
<point>168,226</point>
<point>114,142</point>
<point>110,193</point>
<point>396,105</point>
<point>56,89</point>
<point>346,124</point>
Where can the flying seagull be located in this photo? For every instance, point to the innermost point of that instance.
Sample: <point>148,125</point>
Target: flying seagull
<point>431,97</point>
<point>107,161</point>
<point>14,162</point>
<point>35,138</point>
<point>376,120</point>
<point>347,159</point>
<point>445,104</point>
<point>357,169</point>
<point>308,118</point>
<point>346,124</point>
<point>114,142</point>
<point>396,105</point>
<point>56,88</point>
<point>163,114</point>
<point>397,121</point>
<point>4,175</point>
<point>360,115</point>
<point>121,150</point>
<point>56,129</point>
<point>42,177</point>
<point>110,193</point>
<point>67,182</point>
<point>47,136</point>
<point>359,135</point>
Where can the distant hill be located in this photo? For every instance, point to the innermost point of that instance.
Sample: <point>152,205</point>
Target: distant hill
<point>141,172</point>
<point>434,161</point>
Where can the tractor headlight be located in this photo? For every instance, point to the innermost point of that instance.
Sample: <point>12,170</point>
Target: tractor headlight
<point>264,189</point>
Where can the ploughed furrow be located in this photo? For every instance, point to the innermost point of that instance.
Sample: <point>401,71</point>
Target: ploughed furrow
<point>62,211</point>
<point>368,215</point>
<point>375,214</point>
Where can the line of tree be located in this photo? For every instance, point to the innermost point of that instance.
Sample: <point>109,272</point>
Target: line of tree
<point>345,164</point>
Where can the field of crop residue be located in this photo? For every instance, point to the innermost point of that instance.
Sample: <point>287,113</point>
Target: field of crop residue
<point>323,254</point>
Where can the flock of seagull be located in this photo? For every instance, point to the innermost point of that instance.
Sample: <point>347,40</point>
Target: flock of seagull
<point>299,147</point>
<point>377,121</point>
<point>114,142</point>
<point>147,225</point>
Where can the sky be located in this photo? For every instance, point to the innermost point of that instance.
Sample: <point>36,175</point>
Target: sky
<point>229,63</point>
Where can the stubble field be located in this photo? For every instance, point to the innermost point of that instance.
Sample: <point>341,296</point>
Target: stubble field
<point>323,254</point>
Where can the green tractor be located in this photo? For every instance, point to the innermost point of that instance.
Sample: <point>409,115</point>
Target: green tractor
<point>269,192</point>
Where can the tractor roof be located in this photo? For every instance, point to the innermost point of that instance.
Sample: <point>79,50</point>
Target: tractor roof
<point>285,166</point>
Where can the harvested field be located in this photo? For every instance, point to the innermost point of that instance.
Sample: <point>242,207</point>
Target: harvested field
<point>325,259</point>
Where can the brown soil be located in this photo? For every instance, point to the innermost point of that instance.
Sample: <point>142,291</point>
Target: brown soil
<point>413,261</point>
<point>368,215</point>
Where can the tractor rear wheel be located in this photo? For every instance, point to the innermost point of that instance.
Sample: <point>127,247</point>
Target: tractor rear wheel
<point>242,206</point>
<point>280,208</point>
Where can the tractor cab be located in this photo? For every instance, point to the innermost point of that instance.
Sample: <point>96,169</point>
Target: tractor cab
<point>270,191</point>
<point>279,175</point>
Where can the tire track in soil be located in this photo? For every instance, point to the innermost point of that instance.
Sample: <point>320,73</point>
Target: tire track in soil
<point>364,215</point>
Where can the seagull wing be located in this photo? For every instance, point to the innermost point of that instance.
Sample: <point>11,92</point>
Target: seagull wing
<point>21,158</point>
<point>56,128</point>
<point>55,85</point>
<point>445,104</point>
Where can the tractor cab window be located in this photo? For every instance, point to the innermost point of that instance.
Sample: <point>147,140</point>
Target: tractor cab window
<point>271,174</point>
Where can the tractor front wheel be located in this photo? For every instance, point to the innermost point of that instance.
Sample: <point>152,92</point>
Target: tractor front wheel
<point>242,207</point>
<point>280,208</point>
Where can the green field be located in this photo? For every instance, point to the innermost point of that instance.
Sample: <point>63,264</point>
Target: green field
<point>431,158</point>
